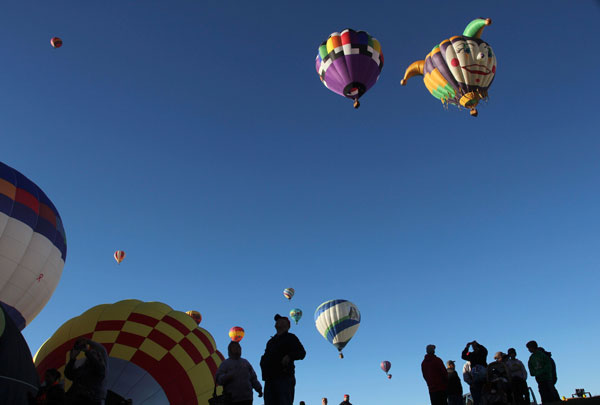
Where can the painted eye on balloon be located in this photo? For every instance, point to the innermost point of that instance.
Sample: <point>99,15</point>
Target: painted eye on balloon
<point>480,56</point>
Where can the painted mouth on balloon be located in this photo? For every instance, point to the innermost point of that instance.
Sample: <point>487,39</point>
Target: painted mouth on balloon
<point>477,69</point>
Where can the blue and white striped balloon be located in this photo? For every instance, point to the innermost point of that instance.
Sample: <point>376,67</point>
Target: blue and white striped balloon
<point>337,321</point>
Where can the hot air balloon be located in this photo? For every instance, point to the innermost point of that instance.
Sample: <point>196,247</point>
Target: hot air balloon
<point>385,366</point>
<point>119,256</point>
<point>236,333</point>
<point>56,42</point>
<point>296,314</point>
<point>288,293</point>
<point>195,316</point>
<point>349,63</point>
<point>459,70</point>
<point>337,321</point>
<point>33,246</point>
<point>156,354</point>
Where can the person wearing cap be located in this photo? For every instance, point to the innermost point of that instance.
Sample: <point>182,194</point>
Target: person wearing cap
<point>436,376</point>
<point>277,364</point>
<point>346,400</point>
<point>455,390</point>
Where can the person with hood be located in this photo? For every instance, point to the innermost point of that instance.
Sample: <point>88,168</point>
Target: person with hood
<point>237,377</point>
<point>51,391</point>
<point>87,374</point>
<point>540,367</point>
<point>518,375</point>
<point>277,364</point>
<point>455,390</point>
<point>436,376</point>
<point>477,369</point>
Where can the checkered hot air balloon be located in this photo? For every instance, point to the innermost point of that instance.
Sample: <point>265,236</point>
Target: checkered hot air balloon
<point>349,63</point>
<point>337,321</point>
<point>155,354</point>
<point>33,246</point>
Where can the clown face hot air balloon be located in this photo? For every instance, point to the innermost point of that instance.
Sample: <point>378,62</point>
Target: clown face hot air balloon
<point>296,314</point>
<point>195,315</point>
<point>349,63</point>
<point>33,246</point>
<point>385,366</point>
<point>289,293</point>
<point>337,321</point>
<point>460,69</point>
<point>156,355</point>
<point>56,42</point>
<point>236,333</point>
<point>119,256</point>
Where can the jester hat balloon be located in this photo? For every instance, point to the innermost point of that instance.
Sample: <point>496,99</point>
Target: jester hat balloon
<point>459,70</point>
<point>349,63</point>
<point>33,246</point>
<point>337,321</point>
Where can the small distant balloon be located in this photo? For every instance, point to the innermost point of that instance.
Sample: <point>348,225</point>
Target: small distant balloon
<point>119,256</point>
<point>296,314</point>
<point>195,315</point>
<point>385,366</point>
<point>288,293</point>
<point>236,333</point>
<point>56,42</point>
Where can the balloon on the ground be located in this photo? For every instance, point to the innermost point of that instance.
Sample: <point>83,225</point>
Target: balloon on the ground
<point>337,321</point>
<point>18,378</point>
<point>195,316</point>
<point>119,256</point>
<point>349,63</point>
<point>33,246</point>
<point>296,314</point>
<point>385,366</point>
<point>56,42</point>
<point>236,333</point>
<point>156,354</point>
<point>289,293</point>
<point>460,69</point>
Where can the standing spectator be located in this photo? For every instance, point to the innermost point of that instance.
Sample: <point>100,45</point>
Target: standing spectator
<point>88,374</point>
<point>455,390</point>
<point>436,376</point>
<point>540,367</point>
<point>51,391</point>
<point>237,377</point>
<point>346,400</point>
<point>477,360</point>
<point>277,364</point>
<point>324,401</point>
<point>518,376</point>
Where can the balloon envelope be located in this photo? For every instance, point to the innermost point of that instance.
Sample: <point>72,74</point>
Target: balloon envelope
<point>296,314</point>
<point>56,42</point>
<point>119,256</point>
<point>289,293</point>
<point>33,246</point>
<point>385,366</point>
<point>337,321</point>
<point>195,316</point>
<point>236,333</point>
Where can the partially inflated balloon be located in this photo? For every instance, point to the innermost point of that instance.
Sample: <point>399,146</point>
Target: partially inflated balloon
<point>337,321</point>
<point>33,246</point>
<point>236,333</point>
<point>56,42</point>
<point>289,293</point>
<point>385,366</point>
<point>156,355</point>
<point>119,256</point>
<point>349,63</point>
<point>195,316</point>
<point>296,314</point>
<point>460,69</point>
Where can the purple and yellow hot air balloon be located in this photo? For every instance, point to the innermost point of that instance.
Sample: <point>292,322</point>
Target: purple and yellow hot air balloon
<point>460,69</point>
<point>349,63</point>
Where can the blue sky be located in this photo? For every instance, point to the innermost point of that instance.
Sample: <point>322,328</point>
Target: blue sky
<point>197,137</point>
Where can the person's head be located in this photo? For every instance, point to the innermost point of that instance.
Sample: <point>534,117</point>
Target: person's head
<point>499,356</point>
<point>51,376</point>
<point>234,350</point>
<point>346,397</point>
<point>282,324</point>
<point>324,401</point>
<point>430,349</point>
<point>474,344</point>
<point>450,365</point>
<point>512,353</point>
<point>302,403</point>
<point>532,346</point>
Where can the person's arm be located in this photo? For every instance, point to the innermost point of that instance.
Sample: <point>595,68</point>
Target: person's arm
<point>70,371</point>
<point>533,365</point>
<point>465,353</point>
<point>523,370</point>
<point>297,351</point>
<point>254,381</point>
<point>221,375</point>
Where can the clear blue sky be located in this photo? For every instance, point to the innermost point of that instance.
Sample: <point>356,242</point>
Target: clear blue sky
<point>197,137</point>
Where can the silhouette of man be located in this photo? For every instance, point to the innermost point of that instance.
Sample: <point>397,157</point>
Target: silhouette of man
<point>540,367</point>
<point>436,376</point>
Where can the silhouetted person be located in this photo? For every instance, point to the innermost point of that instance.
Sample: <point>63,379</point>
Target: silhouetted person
<point>88,374</point>
<point>455,391</point>
<point>324,401</point>
<point>346,400</point>
<point>497,389</point>
<point>51,391</point>
<point>277,364</point>
<point>518,376</point>
<point>237,377</point>
<point>436,376</point>
<point>540,367</point>
<point>477,369</point>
